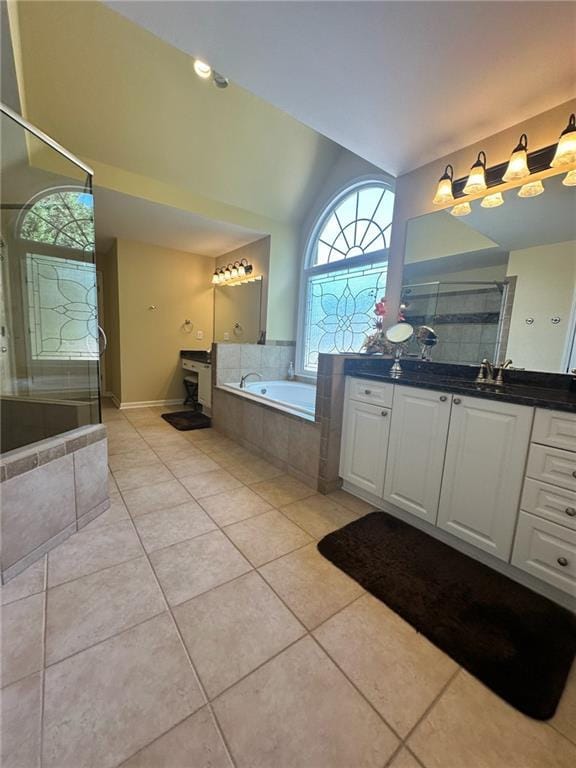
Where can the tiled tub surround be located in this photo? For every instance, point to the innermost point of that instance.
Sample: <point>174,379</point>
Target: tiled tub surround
<point>49,490</point>
<point>195,623</point>
<point>295,397</point>
<point>232,361</point>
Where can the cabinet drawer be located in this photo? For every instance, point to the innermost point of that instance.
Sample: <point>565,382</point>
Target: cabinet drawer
<point>375,392</point>
<point>552,465</point>
<point>549,501</point>
<point>190,365</point>
<point>555,428</point>
<point>547,551</point>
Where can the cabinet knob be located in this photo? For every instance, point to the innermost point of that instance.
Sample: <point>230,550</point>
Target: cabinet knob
<point>367,391</point>
<point>443,398</point>
<point>562,561</point>
<point>384,413</point>
<point>570,511</point>
<point>456,401</point>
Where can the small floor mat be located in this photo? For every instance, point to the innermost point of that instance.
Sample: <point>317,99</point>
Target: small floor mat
<point>184,420</point>
<point>517,643</point>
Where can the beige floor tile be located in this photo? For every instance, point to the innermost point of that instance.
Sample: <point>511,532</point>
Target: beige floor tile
<point>195,566</point>
<point>21,723</point>
<point>125,444</point>
<point>140,458</point>
<point>266,537</point>
<point>138,477</point>
<point>565,718</point>
<point>395,667</point>
<point>113,489</point>
<point>91,550</point>
<point>353,503</point>
<point>209,483</point>
<point>176,452</point>
<point>134,415</point>
<point>203,436</point>
<point>195,743</point>
<point>299,710</point>
<point>192,466</point>
<point>111,414</point>
<point>282,490</point>
<point>83,612</point>
<point>116,512</point>
<point>121,429</point>
<point>151,498</point>
<point>22,636</point>
<point>106,703</point>
<point>318,515</point>
<point>29,582</point>
<point>232,506</point>
<point>470,726</point>
<point>311,586</point>
<point>251,472</point>
<point>404,759</point>
<point>169,526</point>
<point>231,630</point>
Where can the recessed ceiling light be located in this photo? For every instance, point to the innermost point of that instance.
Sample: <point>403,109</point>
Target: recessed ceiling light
<point>220,81</point>
<point>202,69</point>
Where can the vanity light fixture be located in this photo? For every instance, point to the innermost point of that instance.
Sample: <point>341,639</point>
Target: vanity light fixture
<point>233,274</point>
<point>477,178</point>
<point>532,189</point>
<point>444,192</point>
<point>566,150</point>
<point>234,270</point>
<point>492,201</point>
<point>215,278</point>
<point>518,163</point>
<point>203,70</point>
<point>462,209</point>
<point>570,179</point>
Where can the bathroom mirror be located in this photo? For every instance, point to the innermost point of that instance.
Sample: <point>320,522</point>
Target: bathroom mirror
<point>498,283</point>
<point>399,333</point>
<point>237,310</point>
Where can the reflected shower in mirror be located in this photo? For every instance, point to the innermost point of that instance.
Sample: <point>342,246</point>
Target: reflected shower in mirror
<point>237,309</point>
<point>499,283</point>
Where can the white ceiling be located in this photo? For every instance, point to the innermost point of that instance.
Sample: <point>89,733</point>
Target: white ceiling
<point>398,83</point>
<point>131,218</point>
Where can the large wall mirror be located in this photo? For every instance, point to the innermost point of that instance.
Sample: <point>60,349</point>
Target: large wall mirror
<point>237,312</point>
<point>499,283</point>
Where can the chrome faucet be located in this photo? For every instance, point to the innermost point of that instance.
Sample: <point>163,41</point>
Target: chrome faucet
<point>486,372</point>
<point>243,379</point>
<point>500,377</point>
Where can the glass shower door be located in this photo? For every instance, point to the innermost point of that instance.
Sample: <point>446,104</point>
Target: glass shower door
<point>50,337</point>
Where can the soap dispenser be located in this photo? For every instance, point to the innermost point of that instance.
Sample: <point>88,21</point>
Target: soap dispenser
<point>291,371</point>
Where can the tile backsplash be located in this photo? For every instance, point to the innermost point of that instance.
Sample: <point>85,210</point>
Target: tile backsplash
<point>271,361</point>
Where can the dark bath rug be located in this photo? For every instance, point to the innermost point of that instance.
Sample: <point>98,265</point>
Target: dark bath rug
<point>184,420</point>
<point>517,643</point>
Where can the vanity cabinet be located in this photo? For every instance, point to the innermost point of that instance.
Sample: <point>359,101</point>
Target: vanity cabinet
<point>364,445</point>
<point>484,471</point>
<point>420,420</point>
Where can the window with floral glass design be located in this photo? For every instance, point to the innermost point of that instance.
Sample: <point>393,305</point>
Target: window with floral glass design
<point>345,272</point>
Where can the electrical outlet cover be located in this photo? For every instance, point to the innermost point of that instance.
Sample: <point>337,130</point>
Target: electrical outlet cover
<point>199,334</point>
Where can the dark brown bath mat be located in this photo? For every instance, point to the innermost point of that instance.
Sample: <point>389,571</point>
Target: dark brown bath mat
<point>519,644</point>
<point>184,420</point>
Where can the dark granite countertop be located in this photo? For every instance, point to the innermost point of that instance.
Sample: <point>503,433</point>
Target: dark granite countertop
<point>199,355</point>
<point>522,387</point>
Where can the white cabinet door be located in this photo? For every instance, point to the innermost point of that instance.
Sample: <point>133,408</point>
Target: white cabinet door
<point>364,446</point>
<point>483,473</point>
<point>416,451</point>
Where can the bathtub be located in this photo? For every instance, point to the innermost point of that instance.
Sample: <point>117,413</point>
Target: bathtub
<point>288,396</point>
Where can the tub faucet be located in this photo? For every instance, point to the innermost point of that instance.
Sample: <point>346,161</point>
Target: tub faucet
<point>243,379</point>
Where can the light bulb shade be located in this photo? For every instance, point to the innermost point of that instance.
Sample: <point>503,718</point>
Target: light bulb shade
<point>202,69</point>
<point>234,272</point>
<point>462,209</point>
<point>532,189</point>
<point>227,274</point>
<point>241,270</point>
<point>566,150</point>
<point>444,191</point>
<point>215,278</point>
<point>518,163</point>
<point>570,179</point>
<point>492,201</point>
<point>477,178</point>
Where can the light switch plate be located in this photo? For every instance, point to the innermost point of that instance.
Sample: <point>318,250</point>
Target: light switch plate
<point>199,334</point>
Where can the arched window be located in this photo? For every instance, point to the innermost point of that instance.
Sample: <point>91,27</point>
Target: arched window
<point>345,272</point>
<point>56,232</point>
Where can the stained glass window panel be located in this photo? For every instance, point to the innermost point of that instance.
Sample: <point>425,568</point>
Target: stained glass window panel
<point>340,310</point>
<point>64,217</point>
<point>62,308</point>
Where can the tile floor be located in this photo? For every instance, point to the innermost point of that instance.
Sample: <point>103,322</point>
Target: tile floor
<point>194,625</point>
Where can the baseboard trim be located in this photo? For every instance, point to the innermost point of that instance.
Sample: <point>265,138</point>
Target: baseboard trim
<point>144,403</point>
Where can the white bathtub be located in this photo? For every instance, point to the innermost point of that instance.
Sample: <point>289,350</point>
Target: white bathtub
<point>289,396</point>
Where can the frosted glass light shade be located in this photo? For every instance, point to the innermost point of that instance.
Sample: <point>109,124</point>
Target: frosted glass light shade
<point>444,190</point>
<point>532,189</point>
<point>462,209</point>
<point>566,150</point>
<point>202,69</point>
<point>477,178</point>
<point>518,163</point>
<point>570,179</point>
<point>215,278</point>
<point>492,201</point>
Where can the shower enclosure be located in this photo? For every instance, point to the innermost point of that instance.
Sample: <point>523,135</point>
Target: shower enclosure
<point>468,317</point>
<point>50,341</point>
